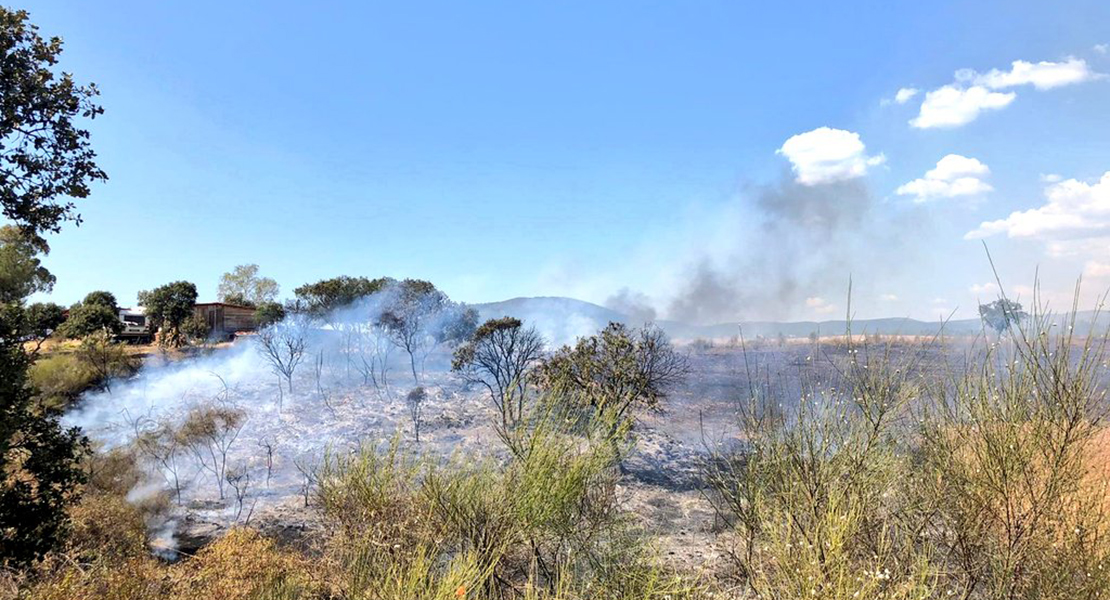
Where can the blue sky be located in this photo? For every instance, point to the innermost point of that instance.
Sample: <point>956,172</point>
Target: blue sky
<point>502,149</point>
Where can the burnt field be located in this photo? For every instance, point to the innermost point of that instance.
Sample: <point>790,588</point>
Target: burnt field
<point>696,468</point>
<point>274,448</point>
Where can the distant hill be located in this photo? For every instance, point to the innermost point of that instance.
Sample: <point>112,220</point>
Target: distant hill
<point>555,306</point>
<point>559,319</point>
<point>562,319</point>
<point>885,326</point>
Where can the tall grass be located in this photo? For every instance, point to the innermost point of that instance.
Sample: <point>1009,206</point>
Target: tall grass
<point>1008,451</point>
<point>818,499</point>
<point>902,479</point>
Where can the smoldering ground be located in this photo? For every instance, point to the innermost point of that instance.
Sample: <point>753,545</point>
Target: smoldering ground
<point>229,436</point>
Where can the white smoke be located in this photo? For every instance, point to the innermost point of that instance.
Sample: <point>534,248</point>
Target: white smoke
<point>335,402</point>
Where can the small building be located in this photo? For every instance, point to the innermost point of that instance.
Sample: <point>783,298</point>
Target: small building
<point>224,320</point>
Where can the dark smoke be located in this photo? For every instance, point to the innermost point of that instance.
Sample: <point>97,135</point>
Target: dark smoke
<point>819,212</point>
<point>707,297</point>
<point>807,241</point>
<point>636,305</point>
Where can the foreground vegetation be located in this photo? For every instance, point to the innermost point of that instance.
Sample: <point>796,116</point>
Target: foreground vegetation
<point>888,480</point>
<point>981,482</point>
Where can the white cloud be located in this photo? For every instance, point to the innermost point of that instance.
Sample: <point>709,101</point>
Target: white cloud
<point>820,305</point>
<point>1096,269</point>
<point>954,166</point>
<point>961,102</point>
<point>825,155</point>
<point>952,106</point>
<point>1077,246</point>
<point>1102,48</point>
<point>888,298</point>
<point>1073,210</point>
<point>940,309</point>
<point>903,96</point>
<point>1043,75</point>
<point>1050,178</point>
<point>984,289</point>
<point>953,176</point>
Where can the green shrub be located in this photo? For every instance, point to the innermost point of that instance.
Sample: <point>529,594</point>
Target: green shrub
<point>59,379</point>
<point>357,488</point>
<point>545,523</point>
<point>620,369</point>
<point>106,358</point>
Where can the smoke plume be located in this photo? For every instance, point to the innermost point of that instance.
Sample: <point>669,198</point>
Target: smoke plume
<point>636,305</point>
<point>801,241</point>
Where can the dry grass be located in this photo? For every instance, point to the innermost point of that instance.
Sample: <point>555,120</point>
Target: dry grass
<point>984,483</point>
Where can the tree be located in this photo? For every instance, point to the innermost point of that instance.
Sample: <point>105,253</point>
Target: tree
<point>243,286</point>
<point>46,158</point>
<point>162,443</point>
<point>1002,314</point>
<point>499,356</point>
<point>283,345</point>
<point>372,348</point>
<point>40,321</point>
<point>457,324</point>
<point>209,432</point>
<point>415,401</point>
<point>21,271</point>
<point>325,296</point>
<point>102,298</point>
<point>268,313</point>
<point>87,319</point>
<point>22,274</point>
<point>168,308</point>
<point>39,470</point>
<point>418,316</point>
<point>406,315</point>
<point>97,312</point>
<point>40,464</point>
<point>617,369</point>
<point>195,329</point>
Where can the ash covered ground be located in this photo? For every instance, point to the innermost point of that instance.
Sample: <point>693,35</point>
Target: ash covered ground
<point>284,435</point>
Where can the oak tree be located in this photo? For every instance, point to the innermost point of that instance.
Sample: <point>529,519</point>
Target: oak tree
<point>46,159</point>
<point>168,308</point>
